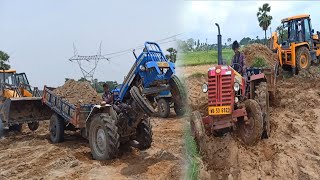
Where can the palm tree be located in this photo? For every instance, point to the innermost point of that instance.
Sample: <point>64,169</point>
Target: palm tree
<point>229,40</point>
<point>264,19</point>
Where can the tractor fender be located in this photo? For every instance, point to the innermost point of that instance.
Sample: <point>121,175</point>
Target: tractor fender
<point>257,76</point>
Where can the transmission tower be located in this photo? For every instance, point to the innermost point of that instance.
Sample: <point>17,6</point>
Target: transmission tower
<point>93,60</point>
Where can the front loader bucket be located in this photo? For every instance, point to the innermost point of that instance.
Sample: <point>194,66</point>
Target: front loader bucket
<point>23,110</point>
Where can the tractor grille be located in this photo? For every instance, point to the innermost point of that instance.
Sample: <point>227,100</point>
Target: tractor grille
<point>219,90</point>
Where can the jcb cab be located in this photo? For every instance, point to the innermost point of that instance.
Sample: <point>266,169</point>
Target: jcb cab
<point>295,44</point>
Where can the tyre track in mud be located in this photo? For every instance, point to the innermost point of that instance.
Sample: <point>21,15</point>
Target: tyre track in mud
<point>30,155</point>
<point>292,151</point>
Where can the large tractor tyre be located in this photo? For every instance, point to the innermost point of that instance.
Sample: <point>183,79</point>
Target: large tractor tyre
<point>33,126</point>
<point>303,59</point>
<point>250,132</point>
<point>1,128</point>
<point>144,134</point>
<point>197,128</point>
<point>16,128</point>
<point>179,95</point>
<point>163,107</point>
<point>262,98</point>
<point>103,137</point>
<point>56,128</point>
<point>142,102</point>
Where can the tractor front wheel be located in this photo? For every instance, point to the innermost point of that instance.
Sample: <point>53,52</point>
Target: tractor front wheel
<point>197,128</point>
<point>1,128</point>
<point>103,137</point>
<point>144,134</point>
<point>179,95</point>
<point>16,128</point>
<point>33,126</point>
<point>262,98</point>
<point>303,59</point>
<point>251,131</point>
<point>163,107</point>
<point>56,128</point>
<point>142,102</point>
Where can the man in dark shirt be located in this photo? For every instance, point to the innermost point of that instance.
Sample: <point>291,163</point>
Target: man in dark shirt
<point>238,59</point>
<point>107,96</point>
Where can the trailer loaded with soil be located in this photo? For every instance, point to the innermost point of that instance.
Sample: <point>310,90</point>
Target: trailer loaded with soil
<point>77,107</point>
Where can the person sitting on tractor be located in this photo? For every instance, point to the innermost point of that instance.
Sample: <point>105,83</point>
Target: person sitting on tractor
<point>107,96</point>
<point>237,62</point>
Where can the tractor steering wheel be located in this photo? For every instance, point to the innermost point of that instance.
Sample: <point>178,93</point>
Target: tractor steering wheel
<point>238,65</point>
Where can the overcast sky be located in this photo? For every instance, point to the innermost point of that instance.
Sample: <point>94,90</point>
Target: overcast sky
<point>38,35</point>
<point>238,19</point>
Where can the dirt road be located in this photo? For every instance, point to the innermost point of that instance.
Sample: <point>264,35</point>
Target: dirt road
<point>32,156</point>
<point>292,152</point>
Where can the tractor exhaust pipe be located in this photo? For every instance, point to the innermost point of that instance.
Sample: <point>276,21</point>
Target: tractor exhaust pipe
<point>219,46</point>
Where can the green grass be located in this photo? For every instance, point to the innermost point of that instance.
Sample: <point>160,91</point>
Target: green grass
<point>203,57</point>
<point>197,74</point>
<point>192,154</point>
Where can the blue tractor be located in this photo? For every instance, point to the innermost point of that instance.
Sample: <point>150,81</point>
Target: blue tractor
<point>152,84</point>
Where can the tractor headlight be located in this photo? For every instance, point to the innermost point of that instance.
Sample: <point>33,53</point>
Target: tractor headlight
<point>204,88</point>
<point>236,99</point>
<point>142,67</point>
<point>236,86</point>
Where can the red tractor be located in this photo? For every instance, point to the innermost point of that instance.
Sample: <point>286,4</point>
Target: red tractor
<point>235,103</point>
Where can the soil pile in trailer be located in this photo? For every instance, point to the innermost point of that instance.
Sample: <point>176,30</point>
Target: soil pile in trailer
<point>76,92</point>
<point>255,52</point>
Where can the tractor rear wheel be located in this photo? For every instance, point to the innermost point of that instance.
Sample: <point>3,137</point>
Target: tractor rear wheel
<point>262,98</point>
<point>303,59</point>
<point>142,102</point>
<point>56,129</point>
<point>163,107</point>
<point>144,134</point>
<point>197,128</point>
<point>103,137</point>
<point>179,95</point>
<point>33,126</point>
<point>250,132</point>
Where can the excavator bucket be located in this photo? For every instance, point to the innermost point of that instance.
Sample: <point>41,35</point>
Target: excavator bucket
<point>23,110</point>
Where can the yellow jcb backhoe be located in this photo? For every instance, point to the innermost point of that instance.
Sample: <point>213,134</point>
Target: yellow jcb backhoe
<point>19,102</point>
<point>296,44</point>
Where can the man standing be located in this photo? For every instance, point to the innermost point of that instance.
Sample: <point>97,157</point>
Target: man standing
<point>107,96</point>
<point>238,59</point>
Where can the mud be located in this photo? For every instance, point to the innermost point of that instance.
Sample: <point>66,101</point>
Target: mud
<point>292,151</point>
<point>253,51</point>
<point>76,92</point>
<point>30,155</point>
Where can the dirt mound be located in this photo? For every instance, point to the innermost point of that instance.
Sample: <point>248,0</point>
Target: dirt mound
<point>254,51</point>
<point>292,150</point>
<point>77,92</point>
<point>30,155</point>
<point>197,100</point>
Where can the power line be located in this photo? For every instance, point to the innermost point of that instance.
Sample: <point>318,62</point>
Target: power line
<point>141,46</point>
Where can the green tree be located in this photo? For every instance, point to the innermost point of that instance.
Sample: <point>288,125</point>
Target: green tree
<point>264,18</point>
<point>182,46</point>
<point>173,55</point>
<point>190,43</point>
<point>4,59</point>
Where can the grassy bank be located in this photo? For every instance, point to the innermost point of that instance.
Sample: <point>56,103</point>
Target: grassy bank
<point>192,155</point>
<point>203,57</point>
